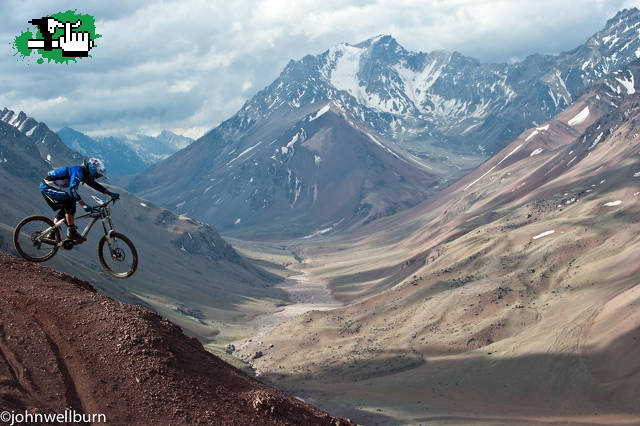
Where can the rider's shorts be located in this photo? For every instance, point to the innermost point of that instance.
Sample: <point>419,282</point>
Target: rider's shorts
<point>58,199</point>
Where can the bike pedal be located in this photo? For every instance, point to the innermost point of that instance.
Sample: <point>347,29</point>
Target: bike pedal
<point>68,244</point>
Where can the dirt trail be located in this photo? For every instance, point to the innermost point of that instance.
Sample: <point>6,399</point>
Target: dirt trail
<point>307,295</point>
<point>62,345</point>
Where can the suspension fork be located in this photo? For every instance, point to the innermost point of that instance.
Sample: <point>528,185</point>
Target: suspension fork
<point>107,231</point>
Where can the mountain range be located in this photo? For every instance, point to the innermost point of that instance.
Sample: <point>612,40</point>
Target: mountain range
<point>125,155</point>
<point>444,98</point>
<point>477,224</point>
<point>308,171</point>
<point>441,113</point>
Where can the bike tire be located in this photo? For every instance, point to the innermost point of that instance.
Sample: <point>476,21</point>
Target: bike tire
<point>18,242</point>
<point>118,238</point>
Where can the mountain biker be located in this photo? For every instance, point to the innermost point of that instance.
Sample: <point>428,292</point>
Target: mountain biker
<point>60,190</point>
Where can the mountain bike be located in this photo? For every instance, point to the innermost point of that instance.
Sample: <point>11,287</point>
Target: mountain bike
<point>38,238</point>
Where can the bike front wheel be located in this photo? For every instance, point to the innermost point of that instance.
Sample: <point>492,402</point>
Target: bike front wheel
<point>35,240</point>
<point>118,255</point>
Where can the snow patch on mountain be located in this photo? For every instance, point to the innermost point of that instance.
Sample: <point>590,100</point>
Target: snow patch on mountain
<point>293,140</point>
<point>417,83</point>
<point>244,152</point>
<point>381,145</point>
<point>596,141</point>
<point>544,234</point>
<point>343,75</point>
<point>580,117</point>
<point>322,110</point>
<point>628,85</point>
<point>537,131</point>
<point>534,133</point>
<point>510,154</point>
<point>485,173</point>
<point>319,232</point>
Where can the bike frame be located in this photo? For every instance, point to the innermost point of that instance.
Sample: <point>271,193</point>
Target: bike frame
<point>101,212</point>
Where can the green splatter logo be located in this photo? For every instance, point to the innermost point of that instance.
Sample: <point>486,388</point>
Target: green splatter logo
<point>59,38</point>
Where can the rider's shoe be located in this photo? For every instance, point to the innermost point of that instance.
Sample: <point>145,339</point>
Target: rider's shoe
<point>74,235</point>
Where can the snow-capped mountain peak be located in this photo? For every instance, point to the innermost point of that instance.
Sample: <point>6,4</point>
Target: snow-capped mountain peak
<point>420,99</point>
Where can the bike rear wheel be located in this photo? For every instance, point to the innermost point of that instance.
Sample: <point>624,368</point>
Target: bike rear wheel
<point>119,258</point>
<point>32,243</point>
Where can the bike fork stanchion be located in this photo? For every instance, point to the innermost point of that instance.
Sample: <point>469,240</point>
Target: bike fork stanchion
<point>107,236</point>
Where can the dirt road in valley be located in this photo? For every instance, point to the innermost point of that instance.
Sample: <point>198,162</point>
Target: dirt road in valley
<point>306,293</point>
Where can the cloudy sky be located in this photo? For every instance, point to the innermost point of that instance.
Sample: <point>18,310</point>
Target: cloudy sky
<point>186,65</point>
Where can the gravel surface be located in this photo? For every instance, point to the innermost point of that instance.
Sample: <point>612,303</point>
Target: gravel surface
<point>62,345</point>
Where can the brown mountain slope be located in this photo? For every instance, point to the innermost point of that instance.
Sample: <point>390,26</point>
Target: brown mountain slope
<point>62,345</point>
<point>512,295</point>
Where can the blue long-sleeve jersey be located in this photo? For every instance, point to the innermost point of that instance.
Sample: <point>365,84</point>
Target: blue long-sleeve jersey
<point>68,178</point>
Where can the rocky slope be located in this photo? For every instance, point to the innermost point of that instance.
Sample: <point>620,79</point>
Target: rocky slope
<point>63,346</point>
<point>50,147</point>
<point>510,297</point>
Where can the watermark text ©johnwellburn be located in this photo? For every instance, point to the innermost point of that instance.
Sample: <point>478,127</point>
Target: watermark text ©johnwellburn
<point>67,417</point>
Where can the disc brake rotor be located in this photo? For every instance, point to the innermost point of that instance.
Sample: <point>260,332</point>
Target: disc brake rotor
<point>118,255</point>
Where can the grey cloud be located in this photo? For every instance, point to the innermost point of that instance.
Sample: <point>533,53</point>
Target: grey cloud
<point>186,64</point>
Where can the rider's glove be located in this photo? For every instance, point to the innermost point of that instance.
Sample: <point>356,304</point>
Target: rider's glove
<point>87,208</point>
<point>115,195</point>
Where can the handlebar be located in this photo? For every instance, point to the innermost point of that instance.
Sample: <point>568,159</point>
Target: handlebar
<point>95,210</point>
<point>103,205</point>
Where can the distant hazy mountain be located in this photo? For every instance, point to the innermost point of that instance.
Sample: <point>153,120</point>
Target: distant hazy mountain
<point>125,155</point>
<point>119,158</point>
<point>447,109</point>
<point>152,149</point>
